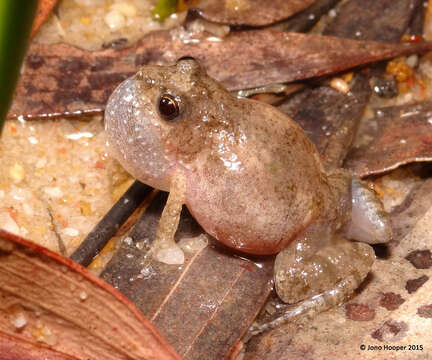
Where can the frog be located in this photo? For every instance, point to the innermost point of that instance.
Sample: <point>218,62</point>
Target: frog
<point>248,174</point>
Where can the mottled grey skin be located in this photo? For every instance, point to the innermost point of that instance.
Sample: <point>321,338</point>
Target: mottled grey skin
<point>253,179</point>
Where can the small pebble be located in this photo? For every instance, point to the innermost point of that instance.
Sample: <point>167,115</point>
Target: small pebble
<point>332,13</point>
<point>412,60</point>
<point>115,20</point>
<point>420,259</point>
<point>340,85</point>
<point>70,232</point>
<point>128,241</point>
<point>385,88</point>
<point>391,301</point>
<point>125,9</point>
<point>425,311</point>
<point>33,140</point>
<point>41,163</point>
<point>359,312</point>
<point>9,224</point>
<point>414,284</point>
<point>19,321</point>
<point>16,173</point>
<point>54,192</point>
<point>83,295</point>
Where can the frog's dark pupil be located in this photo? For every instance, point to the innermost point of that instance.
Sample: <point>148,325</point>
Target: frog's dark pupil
<point>168,107</point>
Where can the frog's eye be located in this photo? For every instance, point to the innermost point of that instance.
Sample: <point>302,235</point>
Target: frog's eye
<point>168,107</point>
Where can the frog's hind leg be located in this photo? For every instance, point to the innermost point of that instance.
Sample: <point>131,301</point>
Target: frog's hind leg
<point>316,272</point>
<point>318,261</point>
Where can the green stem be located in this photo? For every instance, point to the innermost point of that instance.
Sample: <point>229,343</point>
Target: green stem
<point>164,8</point>
<point>16,18</point>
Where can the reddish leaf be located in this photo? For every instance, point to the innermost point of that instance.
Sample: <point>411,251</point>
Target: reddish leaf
<point>397,136</point>
<point>63,80</point>
<point>202,307</point>
<point>43,11</point>
<point>12,348</point>
<point>250,12</point>
<point>53,308</point>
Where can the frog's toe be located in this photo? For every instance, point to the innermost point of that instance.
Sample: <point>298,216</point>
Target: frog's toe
<point>297,280</point>
<point>170,255</point>
<point>369,222</point>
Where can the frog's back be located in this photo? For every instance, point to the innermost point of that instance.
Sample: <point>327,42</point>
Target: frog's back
<point>257,190</point>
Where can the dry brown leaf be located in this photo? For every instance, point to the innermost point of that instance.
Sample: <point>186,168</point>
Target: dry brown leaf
<point>396,136</point>
<point>330,117</point>
<point>52,307</point>
<point>62,80</point>
<point>250,12</point>
<point>376,20</point>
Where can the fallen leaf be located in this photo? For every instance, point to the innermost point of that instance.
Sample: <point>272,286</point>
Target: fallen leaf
<point>330,117</point>
<point>202,307</point>
<point>250,12</point>
<point>376,20</point>
<point>53,308</point>
<point>306,19</point>
<point>396,136</point>
<point>62,80</point>
<point>44,9</point>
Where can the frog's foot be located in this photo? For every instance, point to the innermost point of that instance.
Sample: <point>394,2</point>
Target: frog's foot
<point>168,253</point>
<point>369,222</point>
<point>194,244</point>
<point>301,273</point>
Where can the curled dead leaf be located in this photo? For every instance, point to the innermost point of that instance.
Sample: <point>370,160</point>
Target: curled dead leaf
<point>62,80</point>
<point>397,136</point>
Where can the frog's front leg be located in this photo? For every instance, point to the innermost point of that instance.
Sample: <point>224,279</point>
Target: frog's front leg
<point>319,261</point>
<point>164,248</point>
